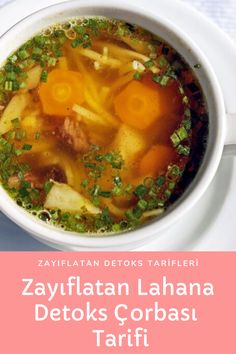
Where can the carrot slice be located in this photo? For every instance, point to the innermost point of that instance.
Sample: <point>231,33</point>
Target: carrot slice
<point>62,90</point>
<point>138,105</point>
<point>156,160</point>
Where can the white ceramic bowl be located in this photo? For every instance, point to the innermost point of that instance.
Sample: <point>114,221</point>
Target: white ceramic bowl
<point>130,12</point>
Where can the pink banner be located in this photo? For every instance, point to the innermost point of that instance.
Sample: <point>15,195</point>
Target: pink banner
<point>91,303</point>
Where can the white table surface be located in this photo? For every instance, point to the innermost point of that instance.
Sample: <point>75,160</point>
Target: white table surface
<point>222,12</point>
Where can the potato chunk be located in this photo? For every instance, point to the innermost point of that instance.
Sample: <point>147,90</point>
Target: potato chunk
<point>130,143</point>
<point>14,109</point>
<point>33,78</point>
<point>65,198</point>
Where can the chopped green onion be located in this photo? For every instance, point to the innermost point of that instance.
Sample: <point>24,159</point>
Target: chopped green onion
<point>160,181</point>
<point>23,54</point>
<point>23,192</point>
<point>90,165</point>
<point>185,100</point>
<point>76,42</point>
<point>148,182</point>
<point>8,86</point>
<point>182,133</point>
<point>37,135</point>
<point>187,113</point>
<point>178,136</point>
<point>137,212</point>
<point>87,45</point>
<point>11,135</point>
<point>52,61</point>
<point>167,193</point>
<point>20,134</point>
<point>99,157</point>
<point>171,185</point>
<point>18,152</point>
<point>137,76</point>
<point>37,51</point>
<point>181,90</point>
<point>9,67</point>
<point>142,204</point>
<point>47,186</point>
<point>140,191</point>
<point>28,63</point>
<point>156,78</point>
<point>11,76</point>
<point>95,190</point>
<point>86,36</point>
<point>84,183</point>
<point>109,157</point>
<point>128,189</point>
<point>101,168</point>
<point>3,141</point>
<point>175,139</point>
<point>25,184</point>
<point>162,62</point>
<point>152,204</point>
<point>96,201</point>
<point>149,64</point>
<point>183,150</point>
<point>105,217</point>
<point>44,76</point>
<point>187,124</point>
<point>117,180</point>
<point>27,147</point>
<point>130,215</point>
<point>175,171</point>
<point>13,58</point>
<point>161,203</point>
<point>116,227</point>
<point>162,80</point>
<point>79,29</point>
<point>116,191</point>
<point>93,25</point>
<point>43,58</point>
<point>65,216</point>
<point>23,85</point>
<point>105,194</point>
<point>153,192</point>
<point>15,123</point>
<point>15,85</point>
<point>40,40</point>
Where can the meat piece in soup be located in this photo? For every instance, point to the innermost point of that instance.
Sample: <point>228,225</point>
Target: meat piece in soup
<point>73,136</point>
<point>100,129</point>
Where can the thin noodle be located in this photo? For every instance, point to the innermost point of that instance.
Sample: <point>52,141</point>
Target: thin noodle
<point>122,53</point>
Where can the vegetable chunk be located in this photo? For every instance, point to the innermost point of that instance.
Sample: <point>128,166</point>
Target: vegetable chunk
<point>65,198</point>
<point>33,78</point>
<point>138,105</point>
<point>13,110</point>
<point>62,90</point>
<point>130,143</point>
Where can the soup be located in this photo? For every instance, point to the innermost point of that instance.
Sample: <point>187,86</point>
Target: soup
<point>103,126</point>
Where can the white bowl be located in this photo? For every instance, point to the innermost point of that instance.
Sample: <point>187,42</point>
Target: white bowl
<point>129,12</point>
